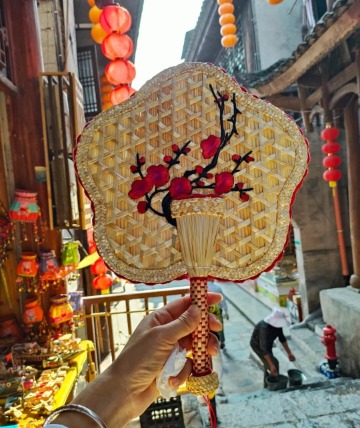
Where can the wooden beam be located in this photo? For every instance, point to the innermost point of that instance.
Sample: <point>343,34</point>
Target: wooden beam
<point>339,31</point>
<point>305,113</point>
<point>309,80</point>
<point>334,84</point>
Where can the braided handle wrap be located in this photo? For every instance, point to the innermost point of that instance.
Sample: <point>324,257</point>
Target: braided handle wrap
<point>203,381</point>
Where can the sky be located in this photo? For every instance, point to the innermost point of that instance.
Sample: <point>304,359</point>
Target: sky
<point>163,26</point>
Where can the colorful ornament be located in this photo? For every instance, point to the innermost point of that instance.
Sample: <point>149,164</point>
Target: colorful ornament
<point>61,315</point>
<point>121,93</point>
<point>332,175</point>
<point>27,271</point>
<point>115,18</point>
<point>98,34</point>
<point>117,45</point>
<point>227,22</point>
<point>25,210</point>
<point>49,269</point>
<point>94,14</point>
<point>120,71</point>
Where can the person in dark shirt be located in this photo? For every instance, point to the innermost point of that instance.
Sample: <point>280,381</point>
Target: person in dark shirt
<point>263,337</point>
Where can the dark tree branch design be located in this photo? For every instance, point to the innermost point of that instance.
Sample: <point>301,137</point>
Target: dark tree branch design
<point>156,178</point>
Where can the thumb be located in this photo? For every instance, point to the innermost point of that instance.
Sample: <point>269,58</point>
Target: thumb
<point>182,326</point>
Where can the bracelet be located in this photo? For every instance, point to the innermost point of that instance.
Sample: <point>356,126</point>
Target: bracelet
<point>75,408</point>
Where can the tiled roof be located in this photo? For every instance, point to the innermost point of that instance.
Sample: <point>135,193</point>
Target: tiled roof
<point>257,79</point>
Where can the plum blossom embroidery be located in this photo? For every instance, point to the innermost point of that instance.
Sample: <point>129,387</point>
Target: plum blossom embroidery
<point>156,179</point>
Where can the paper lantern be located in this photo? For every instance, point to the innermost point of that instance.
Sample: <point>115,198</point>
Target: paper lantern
<point>220,2</point>
<point>102,282</point>
<point>273,2</point>
<point>98,267</point>
<point>330,133</point>
<point>94,14</point>
<point>117,45</point>
<point>115,18</point>
<point>120,71</point>
<point>229,41</point>
<point>121,93</point>
<point>226,8</point>
<point>98,34</point>
<point>228,29</point>
<point>33,312</point>
<point>332,175</point>
<point>91,3</point>
<point>25,210</point>
<point>27,270</point>
<point>330,147</point>
<point>227,18</point>
<point>332,161</point>
<point>60,310</point>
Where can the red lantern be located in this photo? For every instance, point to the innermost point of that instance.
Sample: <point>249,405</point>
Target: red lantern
<point>98,268</point>
<point>330,133</point>
<point>117,45</point>
<point>332,175</point>
<point>121,93</point>
<point>102,282</point>
<point>330,147</point>
<point>120,71</point>
<point>115,18</point>
<point>332,161</point>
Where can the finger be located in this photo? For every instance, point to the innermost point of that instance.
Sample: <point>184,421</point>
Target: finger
<point>176,381</point>
<point>213,345</point>
<point>174,309</point>
<point>182,326</point>
<point>214,323</point>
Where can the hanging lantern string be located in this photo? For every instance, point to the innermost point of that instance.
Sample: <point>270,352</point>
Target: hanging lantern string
<point>332,175</point>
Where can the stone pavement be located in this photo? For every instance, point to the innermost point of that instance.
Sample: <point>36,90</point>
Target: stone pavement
<point>319,402</point>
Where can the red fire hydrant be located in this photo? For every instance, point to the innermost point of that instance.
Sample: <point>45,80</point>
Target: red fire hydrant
<point>329,339</point>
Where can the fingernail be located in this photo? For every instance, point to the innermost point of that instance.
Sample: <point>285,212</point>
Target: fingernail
<point>194,311</point>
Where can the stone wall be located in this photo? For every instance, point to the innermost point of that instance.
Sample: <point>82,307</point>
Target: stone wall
<point>341,309</point>
<point>315,232</point>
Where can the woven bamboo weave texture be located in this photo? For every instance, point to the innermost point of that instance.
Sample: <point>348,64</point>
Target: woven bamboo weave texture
<point>175,107</point>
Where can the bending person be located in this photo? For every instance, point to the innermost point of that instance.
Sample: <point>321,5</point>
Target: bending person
<point>263,337</point>
<point>128,387</point>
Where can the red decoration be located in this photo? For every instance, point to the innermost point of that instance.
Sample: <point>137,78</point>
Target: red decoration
<point>102,282</point>
<point>98,268</point>
<point>210,146</point>
<point>330,133</point>
<point>332,175</point>
<point>121,93</point>
<point>223,182</point>
<point>332,161</point>
<point>115,18</point>
<point>117,45</point>
<point>120,71</point>
<point>330,147</point>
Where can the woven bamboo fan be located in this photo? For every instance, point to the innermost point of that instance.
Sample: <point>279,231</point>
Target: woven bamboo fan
<point>192,176</point>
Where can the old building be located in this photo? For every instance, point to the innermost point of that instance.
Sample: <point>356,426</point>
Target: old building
<point>304,58</point>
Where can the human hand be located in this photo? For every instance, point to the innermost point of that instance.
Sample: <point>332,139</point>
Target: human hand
<point>128,386</point>
<point>291,357</point>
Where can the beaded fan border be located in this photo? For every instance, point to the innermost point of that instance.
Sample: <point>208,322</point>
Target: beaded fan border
<point>92,165</point>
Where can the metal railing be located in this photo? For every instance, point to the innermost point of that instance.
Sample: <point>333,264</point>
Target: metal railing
<point>102,311</point>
